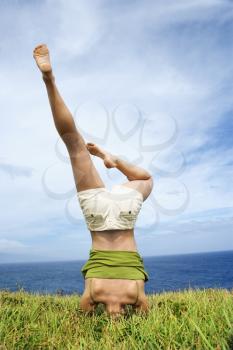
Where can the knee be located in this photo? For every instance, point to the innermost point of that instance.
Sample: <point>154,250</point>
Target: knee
<point>74,143</point>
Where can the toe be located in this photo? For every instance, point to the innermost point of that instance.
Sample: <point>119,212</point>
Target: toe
<point>39,47</point>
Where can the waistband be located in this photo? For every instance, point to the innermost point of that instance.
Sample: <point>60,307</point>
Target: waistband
<point>115,264</point>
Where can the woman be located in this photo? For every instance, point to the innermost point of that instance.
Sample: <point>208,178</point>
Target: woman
<point>114,274</point>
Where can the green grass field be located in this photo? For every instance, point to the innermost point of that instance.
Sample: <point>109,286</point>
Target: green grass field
<point>189,319</point>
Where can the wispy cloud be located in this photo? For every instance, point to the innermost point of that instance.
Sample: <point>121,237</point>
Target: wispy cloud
<point>173,60</point>
<point>15,171</point>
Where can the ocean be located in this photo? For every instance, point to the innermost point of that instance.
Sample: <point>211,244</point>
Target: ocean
<point>166,273</point>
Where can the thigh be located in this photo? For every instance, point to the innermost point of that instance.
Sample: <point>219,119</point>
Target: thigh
<point>85,173</point>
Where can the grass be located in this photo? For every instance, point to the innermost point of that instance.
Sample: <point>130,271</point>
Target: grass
<point>189,319</point>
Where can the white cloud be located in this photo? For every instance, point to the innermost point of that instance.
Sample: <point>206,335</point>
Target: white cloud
<point>163,57</point>
<point>79,29</point>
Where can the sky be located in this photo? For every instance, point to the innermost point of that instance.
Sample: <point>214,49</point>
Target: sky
<point>151,81</point>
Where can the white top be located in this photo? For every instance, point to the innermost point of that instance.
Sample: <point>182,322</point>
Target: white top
<point>115,209</point>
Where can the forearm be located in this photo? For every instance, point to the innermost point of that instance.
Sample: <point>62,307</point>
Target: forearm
<point>131,171</point>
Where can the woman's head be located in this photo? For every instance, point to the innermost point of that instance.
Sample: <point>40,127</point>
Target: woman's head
<point>115,294</point>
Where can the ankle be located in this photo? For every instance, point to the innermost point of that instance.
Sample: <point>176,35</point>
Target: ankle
<point>48,77</point>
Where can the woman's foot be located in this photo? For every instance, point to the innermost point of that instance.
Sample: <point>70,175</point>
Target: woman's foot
<point>41,56</point>
<point>110,161</point>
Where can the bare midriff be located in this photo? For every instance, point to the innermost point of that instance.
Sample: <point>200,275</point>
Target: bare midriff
<point>114,240</point>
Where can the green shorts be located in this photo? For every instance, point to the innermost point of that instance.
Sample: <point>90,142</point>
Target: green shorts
<point>115,264</point>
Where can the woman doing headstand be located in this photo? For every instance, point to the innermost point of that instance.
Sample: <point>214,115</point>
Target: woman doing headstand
<point>114,274</point>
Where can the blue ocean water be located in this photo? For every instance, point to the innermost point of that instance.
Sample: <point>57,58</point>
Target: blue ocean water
<point>167,273</point>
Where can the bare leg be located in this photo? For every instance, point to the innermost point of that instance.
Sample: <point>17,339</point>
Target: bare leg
<point>138,177</point>
<point>131,171</point>
<point>84,171</point>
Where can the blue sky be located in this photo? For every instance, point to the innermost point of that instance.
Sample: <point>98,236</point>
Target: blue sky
<point>167,66</point>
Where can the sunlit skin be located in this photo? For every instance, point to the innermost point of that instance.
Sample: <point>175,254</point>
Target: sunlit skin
<point>115,294</point>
